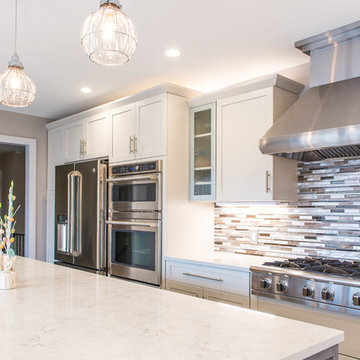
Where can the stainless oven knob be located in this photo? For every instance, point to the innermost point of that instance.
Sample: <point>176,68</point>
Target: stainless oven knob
<point>281,286</point>
<point>308,291</point>
<point>356,299</point>
<point>327,294</point>
<point>265,283</point>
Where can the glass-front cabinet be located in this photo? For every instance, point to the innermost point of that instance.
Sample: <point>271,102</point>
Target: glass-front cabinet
<point>202,153</point>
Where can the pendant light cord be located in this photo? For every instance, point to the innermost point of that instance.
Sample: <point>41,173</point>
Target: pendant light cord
<point>16,19</point>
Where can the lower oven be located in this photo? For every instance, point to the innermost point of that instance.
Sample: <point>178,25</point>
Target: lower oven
<point>135,250</point>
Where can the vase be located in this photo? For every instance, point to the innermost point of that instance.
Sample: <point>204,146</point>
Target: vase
<point>7,273</point>
<point>7,280</point>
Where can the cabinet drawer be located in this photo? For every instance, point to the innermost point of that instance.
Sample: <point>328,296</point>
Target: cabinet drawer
<point>236,282</point>
<point>227,298</point>
<point>185,289</point>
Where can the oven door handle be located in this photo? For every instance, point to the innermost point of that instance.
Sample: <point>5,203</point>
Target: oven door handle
<point>133,178</point>
<point>132,223</point>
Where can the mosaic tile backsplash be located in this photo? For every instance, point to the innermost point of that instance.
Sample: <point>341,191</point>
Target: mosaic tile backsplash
<point>325,221</point>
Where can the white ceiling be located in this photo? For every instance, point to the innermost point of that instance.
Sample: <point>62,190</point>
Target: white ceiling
<point>222,43</point>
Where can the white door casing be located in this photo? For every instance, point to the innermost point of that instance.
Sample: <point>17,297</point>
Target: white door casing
<point>30,190</point>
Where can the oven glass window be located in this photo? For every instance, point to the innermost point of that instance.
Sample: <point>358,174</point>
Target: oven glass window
<point>134,248</point>
<point>134,192</point>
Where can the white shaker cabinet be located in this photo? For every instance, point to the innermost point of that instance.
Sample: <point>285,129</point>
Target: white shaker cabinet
<point>96,137</point>
<point>208,281</point>
<point>150,138</point>
<point>74,141</point>
<point>243,172</point>
<point>122,130</point>
<point>138,130</point>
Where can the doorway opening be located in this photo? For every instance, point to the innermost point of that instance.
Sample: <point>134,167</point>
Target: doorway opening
<point>12,168</point>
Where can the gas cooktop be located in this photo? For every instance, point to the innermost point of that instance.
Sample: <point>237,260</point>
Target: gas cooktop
<point>324,283</point>
<point>318,265</point>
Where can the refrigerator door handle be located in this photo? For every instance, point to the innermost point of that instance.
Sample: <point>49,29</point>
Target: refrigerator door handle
<point>69,234</point>
<point>75,212</point>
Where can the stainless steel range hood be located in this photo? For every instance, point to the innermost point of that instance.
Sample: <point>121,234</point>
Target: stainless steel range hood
<point>325,122</point>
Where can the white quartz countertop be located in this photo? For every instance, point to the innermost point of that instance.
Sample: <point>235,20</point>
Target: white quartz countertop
<point>61,313</point>
<point>222,259</point>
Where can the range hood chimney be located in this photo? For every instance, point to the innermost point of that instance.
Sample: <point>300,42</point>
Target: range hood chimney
<point>325,122</point>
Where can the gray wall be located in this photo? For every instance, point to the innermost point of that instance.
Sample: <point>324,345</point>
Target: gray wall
<point>13,168</point>
<point>14,124</point>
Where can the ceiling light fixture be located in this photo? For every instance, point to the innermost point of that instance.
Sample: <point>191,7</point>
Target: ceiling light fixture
<point>16,88</point>
<point>172,52</point>
<point>108,36</point>
<point>86,90</point>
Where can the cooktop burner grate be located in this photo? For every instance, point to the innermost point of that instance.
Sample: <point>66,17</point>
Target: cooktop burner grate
<point>319,265</point>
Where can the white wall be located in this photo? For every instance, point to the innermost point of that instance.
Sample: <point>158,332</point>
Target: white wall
<point>14,124</point>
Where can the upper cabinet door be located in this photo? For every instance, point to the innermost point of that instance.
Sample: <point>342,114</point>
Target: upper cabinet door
<point>74,136</point>
<point>150,138</point>
<point>202,153</point>
<point>122,134</point>
<point>97,136</point>
<point>243,172</point>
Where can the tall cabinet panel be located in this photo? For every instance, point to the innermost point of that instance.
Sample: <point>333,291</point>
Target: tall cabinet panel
<point>122,130</point>
<point>150,138</point>
<point>202,153</point>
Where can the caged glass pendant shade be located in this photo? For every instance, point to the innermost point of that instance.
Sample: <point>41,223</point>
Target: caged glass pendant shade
<point>108,36</point>
<point>16,88</point>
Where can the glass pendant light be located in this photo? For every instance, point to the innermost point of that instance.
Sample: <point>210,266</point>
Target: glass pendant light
<point>16,88</point>
<point>108,36</point>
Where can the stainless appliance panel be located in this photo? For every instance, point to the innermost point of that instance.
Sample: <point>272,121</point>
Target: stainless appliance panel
<point>135,196</point>
<point>80,214</point>
<point>135,250</point>
<point>91,241</point>
<point>61,212</point>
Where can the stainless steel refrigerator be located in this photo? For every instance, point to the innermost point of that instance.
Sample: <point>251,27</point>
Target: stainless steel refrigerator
<point>79,215</point>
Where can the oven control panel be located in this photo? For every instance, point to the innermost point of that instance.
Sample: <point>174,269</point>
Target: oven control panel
<point>118,170</point>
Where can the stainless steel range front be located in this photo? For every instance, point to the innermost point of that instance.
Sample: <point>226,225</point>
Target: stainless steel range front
<point>320,291</point>
<point>323,283</point>
<point>135,221</point>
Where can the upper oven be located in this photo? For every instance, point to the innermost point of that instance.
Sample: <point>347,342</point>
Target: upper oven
<point>135,191</point>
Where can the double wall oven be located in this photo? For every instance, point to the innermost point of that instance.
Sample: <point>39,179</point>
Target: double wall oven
<point>134,221</point>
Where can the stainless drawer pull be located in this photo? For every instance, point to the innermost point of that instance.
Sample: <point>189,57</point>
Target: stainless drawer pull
<point>202,277</point>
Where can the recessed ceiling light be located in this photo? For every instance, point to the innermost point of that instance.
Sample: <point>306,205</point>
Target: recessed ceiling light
<point>86,90</point>
<point>172,52</point>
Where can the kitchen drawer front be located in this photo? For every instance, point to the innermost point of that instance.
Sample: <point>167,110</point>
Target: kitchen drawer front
<point>227,298</point>
<point>236,282</point>
<point>185,289</point>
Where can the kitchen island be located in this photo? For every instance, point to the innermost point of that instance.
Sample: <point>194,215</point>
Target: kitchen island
<point>62,313</point>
